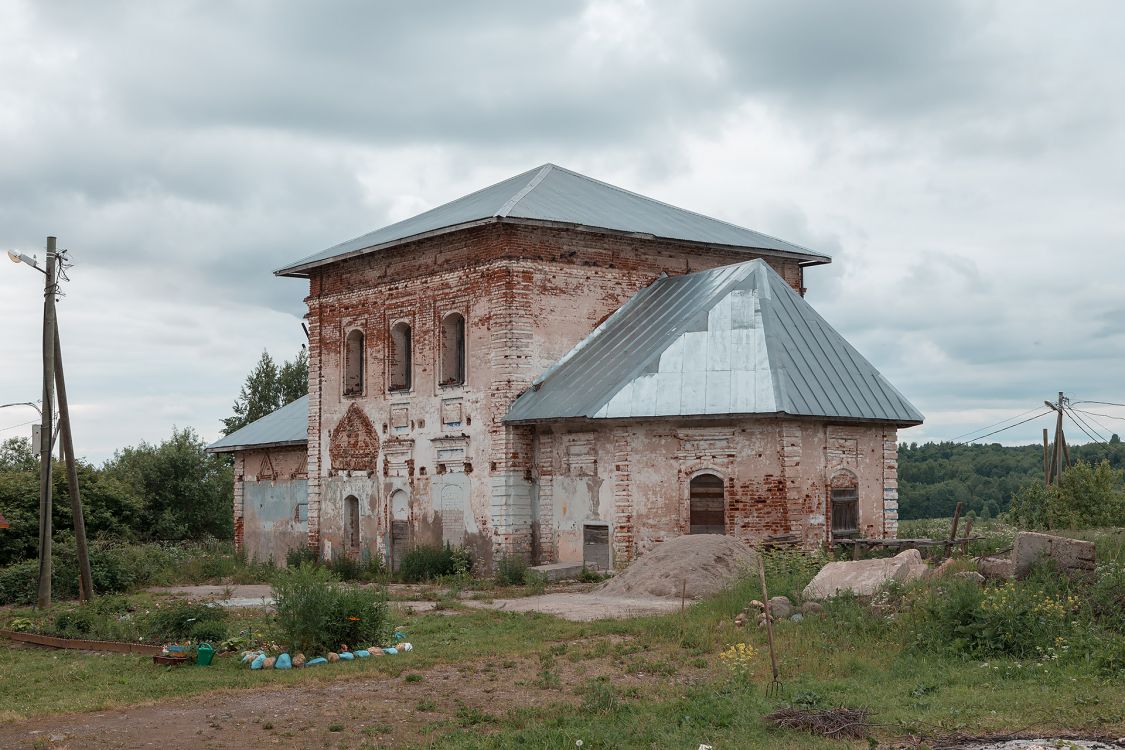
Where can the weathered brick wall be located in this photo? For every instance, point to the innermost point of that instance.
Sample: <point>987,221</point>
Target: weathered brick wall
<point>776,474</point>
<point>528,294</point>
<point>268,486</point>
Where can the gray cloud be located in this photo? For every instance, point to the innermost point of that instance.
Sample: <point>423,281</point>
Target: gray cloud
<point>963,163</point>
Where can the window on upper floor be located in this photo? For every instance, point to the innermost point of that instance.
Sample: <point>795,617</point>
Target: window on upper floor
<point>452,350</point>
<point>400,359</point>
<point>353,363</point>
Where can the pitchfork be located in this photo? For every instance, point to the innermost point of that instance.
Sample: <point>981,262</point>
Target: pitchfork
<point>773,689</point>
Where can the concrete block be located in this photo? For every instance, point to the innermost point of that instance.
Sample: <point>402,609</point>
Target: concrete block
<point>559,571</point>
<point>864,577</point>
<point>1070,555</point>
<point>996,567</point>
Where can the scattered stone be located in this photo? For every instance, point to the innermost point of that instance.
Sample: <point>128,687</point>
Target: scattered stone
<point>812,608</point>
<point>996,567</point>
<point>316,662</point>
<point>268,663</point>
<point>740,620</point>
<point>258,661</point>
<point>755,604</point>
<point>346,656</point>
<point>780,607</point>
<point>970,575</point>
<point>1072,556</point>
<point>362,653</point>
<point>864,577</point>
<point>796,617</point>
<point>945,568</point>
<point>406,647</point>
<point>299,660</point>
<point>333,656</point>
<point>283,662</point>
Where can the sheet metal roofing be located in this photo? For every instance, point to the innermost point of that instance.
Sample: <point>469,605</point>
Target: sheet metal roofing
<point>730,340</point>
<point>552,194</point>
<point>289,425</point>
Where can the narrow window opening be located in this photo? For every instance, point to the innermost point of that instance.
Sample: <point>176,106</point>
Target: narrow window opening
<point>401,358</point>
<point>353,364</point>
<point>453,350</point>
<point>707,505</point>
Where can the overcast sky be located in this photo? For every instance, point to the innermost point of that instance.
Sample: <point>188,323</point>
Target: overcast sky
<point>964,164</point>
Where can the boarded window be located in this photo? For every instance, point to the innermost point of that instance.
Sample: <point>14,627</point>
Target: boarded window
<point>401,363</point>
<point>453,350</point>
<point>708,505</point>
<point>351,523</point>
<point>353,364</point>
<point>845,511</point>
<point>595,547</point>
<point>301,514</point>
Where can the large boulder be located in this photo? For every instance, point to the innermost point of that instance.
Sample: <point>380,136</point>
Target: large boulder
<point>1072,556</point>
<point>865,577</point>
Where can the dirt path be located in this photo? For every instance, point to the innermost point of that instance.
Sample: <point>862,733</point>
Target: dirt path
<point>582,607</point>
<point>381,712</point>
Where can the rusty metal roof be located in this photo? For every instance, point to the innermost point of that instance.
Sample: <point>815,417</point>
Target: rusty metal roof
<point>554,195</point>
<point>727,341</point>
<point>289,425</point>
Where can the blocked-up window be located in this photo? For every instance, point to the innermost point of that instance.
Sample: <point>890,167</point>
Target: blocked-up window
<point>452,350</point>
<point>351,522</point>
<point>845,510</point>
<point>301,513</point>
<point>400,358</point>
<point>707,508</point>
<point>353,363</point>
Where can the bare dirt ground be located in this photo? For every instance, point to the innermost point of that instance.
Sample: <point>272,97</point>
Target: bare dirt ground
<point>579,606</point>
<point>381,712</point>
<point>582,607</point>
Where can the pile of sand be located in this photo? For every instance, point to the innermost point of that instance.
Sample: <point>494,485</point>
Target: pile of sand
<point>706,563</point>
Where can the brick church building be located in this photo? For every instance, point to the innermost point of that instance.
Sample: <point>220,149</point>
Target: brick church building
<point>561,369</point>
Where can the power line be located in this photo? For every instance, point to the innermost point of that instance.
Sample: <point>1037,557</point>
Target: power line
<point>1017,424</point>
<point>1100,403</point>
<point>22,424</point>
<point>1099,414</point>
<point>994,424</point>
<point>1082,425</point>
<point>1091,415</point>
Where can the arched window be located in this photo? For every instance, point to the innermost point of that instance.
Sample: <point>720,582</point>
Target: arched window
<point>351,523</point>
<point>353,363</point>
<point>401,358</point>
<point>844,496</point>
<point>452,350</point>
<point>707,505</point>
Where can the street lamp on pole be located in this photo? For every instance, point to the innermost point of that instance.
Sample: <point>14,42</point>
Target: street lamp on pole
<point>52,376</point>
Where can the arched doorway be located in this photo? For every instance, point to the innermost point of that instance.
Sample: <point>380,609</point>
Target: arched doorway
<point>400,527</point>
<point>707,505</point>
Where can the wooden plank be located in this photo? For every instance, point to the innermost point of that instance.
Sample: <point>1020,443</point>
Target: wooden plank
<point>52,641</point>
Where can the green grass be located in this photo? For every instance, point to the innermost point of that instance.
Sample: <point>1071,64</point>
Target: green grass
<point>682,697</point>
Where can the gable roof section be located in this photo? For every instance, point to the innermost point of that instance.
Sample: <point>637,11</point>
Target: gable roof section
<point>289,425</point>
<point>730,340</point>
<point>555,195</point>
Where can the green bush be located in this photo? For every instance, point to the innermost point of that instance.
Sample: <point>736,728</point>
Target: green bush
<point>1016,619</point>
<point>535,581</point>
<point>19,583</point>
<point>591,576</point>
<point>1106,596</point>
<point>211,631</point>
<point>510,570</point>
<point>1085,496</point>
<point>178,620</point>
<point>349,568</point>
<point>298,555</point>
<point>425,563</point>
<point>316,613</point>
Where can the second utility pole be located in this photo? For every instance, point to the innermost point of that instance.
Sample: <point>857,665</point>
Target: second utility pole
<point>47,429</point>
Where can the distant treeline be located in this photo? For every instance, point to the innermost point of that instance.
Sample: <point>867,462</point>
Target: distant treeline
<point>933,477</point>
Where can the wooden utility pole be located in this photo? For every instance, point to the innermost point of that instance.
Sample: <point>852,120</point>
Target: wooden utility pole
<point>1060,455</point>
<point>66,437</point>
<point>47,428</point>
